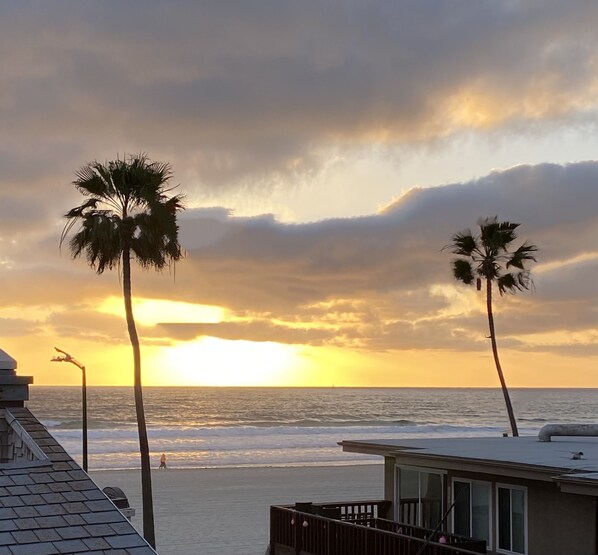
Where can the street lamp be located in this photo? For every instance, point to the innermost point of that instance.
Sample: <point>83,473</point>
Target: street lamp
<point>68,358</point>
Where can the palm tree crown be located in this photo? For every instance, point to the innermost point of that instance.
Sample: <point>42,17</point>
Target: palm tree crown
<point>487,256</point>
<point>128,209</point>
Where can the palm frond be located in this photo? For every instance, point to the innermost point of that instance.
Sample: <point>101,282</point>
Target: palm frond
<point>73,215</point>
<point>147,180</point>
<point>463,271</point>
<point>514,281</point>
<point>496,236</point>
<point>155,241</point>
<point>96,180</point>
<point>523,254</point>
<point>98,240</point>
<point>463,243</point>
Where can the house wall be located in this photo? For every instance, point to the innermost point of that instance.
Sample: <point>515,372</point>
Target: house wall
<point>560,523</point>
<point>557,523</point>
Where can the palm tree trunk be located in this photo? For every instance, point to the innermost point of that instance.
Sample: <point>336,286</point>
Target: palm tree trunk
<point>501,377</point>
<point>146,475</point>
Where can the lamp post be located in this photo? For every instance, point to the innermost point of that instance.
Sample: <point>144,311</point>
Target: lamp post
<point>68,358</point>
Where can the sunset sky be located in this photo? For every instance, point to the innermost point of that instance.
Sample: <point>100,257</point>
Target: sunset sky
<point>327,150</point>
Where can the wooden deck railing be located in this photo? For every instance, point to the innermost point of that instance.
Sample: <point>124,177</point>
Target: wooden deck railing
<point>351,511</point>
<point>431,511</point>
<point>358,531</point>
<point>478,546</point>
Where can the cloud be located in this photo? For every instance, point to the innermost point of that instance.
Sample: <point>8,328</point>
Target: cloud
<point>248,331</point>
<point>86,323</point>
<point>372,283</point>
<point>264,265</point>
<point>398,248</point>
<point>235,93</point>
<point>16,327</point>
<point>382,281</point>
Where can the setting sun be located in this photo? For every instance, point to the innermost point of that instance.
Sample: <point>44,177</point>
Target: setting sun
<point>217,362</point>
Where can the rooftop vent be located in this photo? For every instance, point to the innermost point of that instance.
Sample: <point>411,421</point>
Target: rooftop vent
<point>118,497</point>
<point>571,430</point>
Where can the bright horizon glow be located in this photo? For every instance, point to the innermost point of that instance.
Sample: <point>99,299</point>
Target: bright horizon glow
<point>217,362</point>
<point>214,362</point>
<point>222,363</point>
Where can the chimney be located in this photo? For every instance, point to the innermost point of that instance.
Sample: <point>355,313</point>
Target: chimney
<point>14,390</point>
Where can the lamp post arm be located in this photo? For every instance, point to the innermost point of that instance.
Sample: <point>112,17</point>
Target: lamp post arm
<point>66,357</point>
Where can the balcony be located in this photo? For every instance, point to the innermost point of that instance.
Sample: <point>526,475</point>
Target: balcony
<point>357,528</point>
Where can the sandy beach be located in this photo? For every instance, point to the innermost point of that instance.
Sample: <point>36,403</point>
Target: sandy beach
<point>225,511</point>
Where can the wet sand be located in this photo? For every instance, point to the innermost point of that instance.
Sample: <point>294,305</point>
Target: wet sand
<point>225,511</point>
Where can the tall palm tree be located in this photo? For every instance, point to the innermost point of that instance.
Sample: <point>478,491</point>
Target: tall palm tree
<point>487,257</point>
<point>128,214</point>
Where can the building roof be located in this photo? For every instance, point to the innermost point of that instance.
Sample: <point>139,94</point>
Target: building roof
<point>6,361</point>
<point>547,460</point>
<point>48,505</point>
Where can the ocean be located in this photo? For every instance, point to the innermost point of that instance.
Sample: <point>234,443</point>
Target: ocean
<point>205,427</point>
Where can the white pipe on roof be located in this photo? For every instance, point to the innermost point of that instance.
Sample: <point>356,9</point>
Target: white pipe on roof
<point>551,430</point>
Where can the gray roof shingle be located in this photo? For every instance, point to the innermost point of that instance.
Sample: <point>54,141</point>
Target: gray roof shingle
<point>49,506</point>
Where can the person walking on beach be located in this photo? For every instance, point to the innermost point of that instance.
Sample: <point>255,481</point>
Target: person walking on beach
<point>162,461</point>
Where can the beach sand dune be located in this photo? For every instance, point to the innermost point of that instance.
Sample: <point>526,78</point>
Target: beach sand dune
<point>225,511</point>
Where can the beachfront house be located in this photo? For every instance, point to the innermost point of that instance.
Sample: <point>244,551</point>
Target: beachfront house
<point>499,495</point>
<point>48,504</point>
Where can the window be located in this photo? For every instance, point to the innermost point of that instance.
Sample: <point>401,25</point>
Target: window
<point>471,512</point>
<point>512,519</point>
<point>420,497</point>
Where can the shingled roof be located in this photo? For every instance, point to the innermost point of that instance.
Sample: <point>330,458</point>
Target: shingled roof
<point>48,504</point>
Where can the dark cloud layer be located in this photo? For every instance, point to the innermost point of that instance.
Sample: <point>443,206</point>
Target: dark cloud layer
<point>238,91</point>
<point>400,247</point>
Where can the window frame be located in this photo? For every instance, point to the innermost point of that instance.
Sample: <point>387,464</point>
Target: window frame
<point>419,469</point>
<point>470,481</point>
<point>512,487</point>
